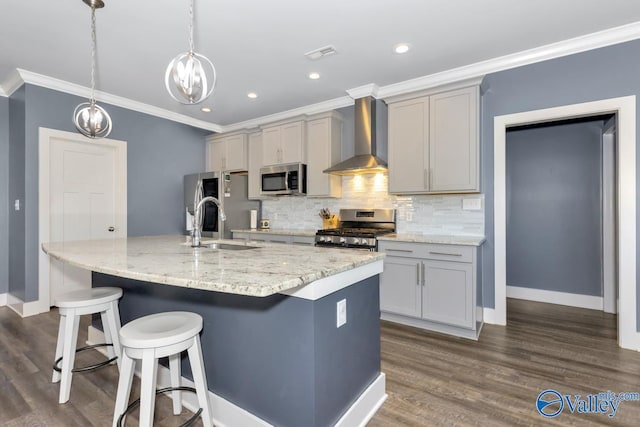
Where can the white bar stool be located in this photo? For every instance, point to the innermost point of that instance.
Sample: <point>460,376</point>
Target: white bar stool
<point>148,339</point>
<point>72,305</point>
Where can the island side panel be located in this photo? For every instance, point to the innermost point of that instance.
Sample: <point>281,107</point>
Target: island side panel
<point>347,359</point>
<point>279,357</point>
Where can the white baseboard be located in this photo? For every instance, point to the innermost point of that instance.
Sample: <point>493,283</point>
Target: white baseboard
<point>489,316</point>
<point>3,300</point>
<point>24,309</point>
<point>554,297</point>
<point>226,414</point>
<point>363,409</point>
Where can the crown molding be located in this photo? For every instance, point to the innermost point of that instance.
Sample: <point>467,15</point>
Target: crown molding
<point>567,47</point>
<point>13,82</point>
<point>21,77</point>
<point>440,80</point>
<point>308,110</point>
<point>371,89</point>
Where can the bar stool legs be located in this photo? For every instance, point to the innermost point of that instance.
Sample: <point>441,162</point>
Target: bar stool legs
<point>72,305</point>
<point>148,339</point>
<point>199,378</point>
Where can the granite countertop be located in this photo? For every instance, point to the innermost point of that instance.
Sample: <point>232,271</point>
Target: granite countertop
<point>434,238</point>
<point>170,260</point>
<point>283,232</point>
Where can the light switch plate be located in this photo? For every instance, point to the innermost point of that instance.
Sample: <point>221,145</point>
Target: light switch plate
<point>16,205</point>
<point>341,313</point>
<point>471,204</point>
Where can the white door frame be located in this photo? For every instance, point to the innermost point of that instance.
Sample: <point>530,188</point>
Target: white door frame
<point>45,136</point>
<point>609,286</point>
<point>625,108</point>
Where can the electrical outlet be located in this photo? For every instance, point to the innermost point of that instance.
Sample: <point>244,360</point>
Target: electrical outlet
<point>341,313</point>
<point>471,204</point>
<point>16,205</point>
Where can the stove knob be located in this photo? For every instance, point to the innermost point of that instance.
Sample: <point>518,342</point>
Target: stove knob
<point>356,241</point>
<point>342,240</point>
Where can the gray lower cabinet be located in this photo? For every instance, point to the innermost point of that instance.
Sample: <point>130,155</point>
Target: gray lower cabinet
<point>400,286</point>
<point>447,296</point>
<point>431,286</point>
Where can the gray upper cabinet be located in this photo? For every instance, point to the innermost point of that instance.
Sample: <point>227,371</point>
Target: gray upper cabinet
<point>324,146</point>
<point>408,146</point>
<point>284,143</point>
<point>255,162</point>
<point>433,143</point>
<point>453,140</point>
<point>227,152</point>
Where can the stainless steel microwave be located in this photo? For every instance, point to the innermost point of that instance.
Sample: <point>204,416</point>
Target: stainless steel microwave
<point>284,180</point>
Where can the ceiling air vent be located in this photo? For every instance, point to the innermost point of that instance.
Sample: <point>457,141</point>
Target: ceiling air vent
<point>322,52</point>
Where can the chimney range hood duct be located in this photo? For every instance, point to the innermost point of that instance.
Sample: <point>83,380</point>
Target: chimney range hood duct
<point>365,159</point>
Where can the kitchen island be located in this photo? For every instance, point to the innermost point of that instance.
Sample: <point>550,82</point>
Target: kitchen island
<point>273,352</point>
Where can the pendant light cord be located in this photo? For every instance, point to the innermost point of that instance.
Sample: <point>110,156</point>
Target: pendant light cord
<point>191,44</point>
<point>93,53</point>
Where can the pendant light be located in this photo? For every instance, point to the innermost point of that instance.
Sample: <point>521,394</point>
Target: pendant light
<point>90,119</point>
<point>190,76</point>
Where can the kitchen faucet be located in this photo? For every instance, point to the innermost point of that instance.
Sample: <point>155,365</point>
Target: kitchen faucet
<point>197,214</point>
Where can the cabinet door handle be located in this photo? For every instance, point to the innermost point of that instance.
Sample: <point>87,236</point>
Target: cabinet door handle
<point>418,274</point>
<point>444,253</point>
<point>423,274</point>
<point>425,179</point>
<point>400,250</point>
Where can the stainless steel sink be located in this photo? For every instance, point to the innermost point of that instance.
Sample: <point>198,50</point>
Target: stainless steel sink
<point>226,246</point>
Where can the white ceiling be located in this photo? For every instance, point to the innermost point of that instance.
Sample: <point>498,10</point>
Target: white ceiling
<point>258,45</point>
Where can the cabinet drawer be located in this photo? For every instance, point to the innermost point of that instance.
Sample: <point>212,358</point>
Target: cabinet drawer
<point>428,251</point>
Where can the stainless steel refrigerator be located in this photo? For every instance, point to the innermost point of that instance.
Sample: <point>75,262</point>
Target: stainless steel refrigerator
<point>232,191</point>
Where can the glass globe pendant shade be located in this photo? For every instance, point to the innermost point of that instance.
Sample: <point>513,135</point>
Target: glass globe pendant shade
<point>190,78</point>
<point>92,120</point>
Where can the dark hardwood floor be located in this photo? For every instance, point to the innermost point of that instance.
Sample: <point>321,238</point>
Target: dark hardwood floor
<point>436,380</point>
<point>432,379</point>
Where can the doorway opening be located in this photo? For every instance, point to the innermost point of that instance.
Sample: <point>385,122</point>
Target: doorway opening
<point>561,217</point>
<point>625,214</point>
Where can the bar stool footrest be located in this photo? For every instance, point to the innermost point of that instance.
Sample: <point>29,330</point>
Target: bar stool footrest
<point>136,403</point>
<point>90,367</point>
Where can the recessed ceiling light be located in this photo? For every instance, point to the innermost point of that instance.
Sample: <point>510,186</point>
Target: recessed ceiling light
<point>252,95</point>
<point>205,109</point>
<point>314,76</point>
<point>401,48</point>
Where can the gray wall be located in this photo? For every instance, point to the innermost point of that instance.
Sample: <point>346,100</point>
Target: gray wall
<point>4,194</point>
<point>554,209</point>
<point>159,153</point>
<point>16,192</point>
<point>598,74</point>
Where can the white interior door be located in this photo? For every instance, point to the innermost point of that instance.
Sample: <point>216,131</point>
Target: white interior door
<point>82,203</point>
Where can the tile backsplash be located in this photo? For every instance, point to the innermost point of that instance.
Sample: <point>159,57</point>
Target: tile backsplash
<point>427,214</point>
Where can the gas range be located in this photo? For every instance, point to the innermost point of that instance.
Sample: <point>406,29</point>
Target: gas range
<point>359,228</point>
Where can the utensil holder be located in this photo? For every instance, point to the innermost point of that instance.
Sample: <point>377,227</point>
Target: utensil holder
<point>332,222</point>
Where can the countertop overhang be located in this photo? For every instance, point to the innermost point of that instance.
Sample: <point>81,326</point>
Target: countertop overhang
<point>265,270</point>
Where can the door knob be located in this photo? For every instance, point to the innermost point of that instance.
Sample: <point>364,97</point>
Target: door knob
<point>112,229</point>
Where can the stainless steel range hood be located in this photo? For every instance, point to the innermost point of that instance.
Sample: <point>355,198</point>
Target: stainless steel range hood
<point>366,158</point>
